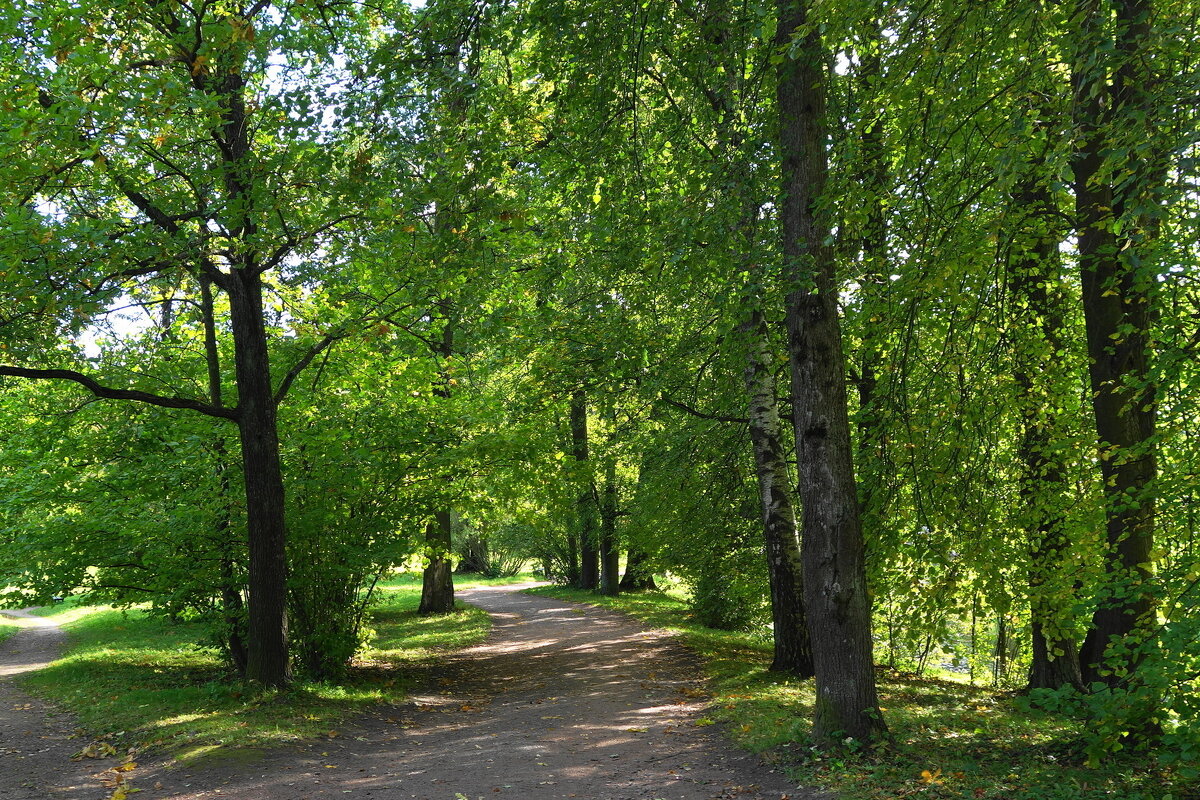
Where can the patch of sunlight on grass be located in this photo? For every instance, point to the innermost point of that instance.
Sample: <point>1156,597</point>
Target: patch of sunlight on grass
<point>145,681</point>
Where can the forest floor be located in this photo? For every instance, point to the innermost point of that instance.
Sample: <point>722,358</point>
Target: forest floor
<point>561,701</point>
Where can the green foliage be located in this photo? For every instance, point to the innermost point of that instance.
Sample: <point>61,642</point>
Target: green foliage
<point>472,211</point>
<point>728,592</point>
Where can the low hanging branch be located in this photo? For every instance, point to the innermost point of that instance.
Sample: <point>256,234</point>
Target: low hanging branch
<point>697,413</point>
<point>109,393</point>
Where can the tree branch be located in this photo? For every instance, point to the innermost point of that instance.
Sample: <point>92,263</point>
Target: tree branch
<point>303,363</point>
<point>109,393</point>
<point>701,414</point>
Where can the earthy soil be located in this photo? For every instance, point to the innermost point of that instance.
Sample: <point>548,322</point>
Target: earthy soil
<point>561,701</point>
<point>37,740</point>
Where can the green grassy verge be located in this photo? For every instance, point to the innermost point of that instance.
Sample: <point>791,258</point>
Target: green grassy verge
<point>143,681</point>
<point>951,740</point>
<point>7,630</point>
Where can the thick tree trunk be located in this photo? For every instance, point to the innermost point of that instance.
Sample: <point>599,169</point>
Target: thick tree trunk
<point>585,505</point>
<point>835,587</point>
<point>637,575</point>
<point>267,652</point>
<point>437,585</point>
<point>1118,284</point>
<point>793,652</point>
<point>1034,279</point>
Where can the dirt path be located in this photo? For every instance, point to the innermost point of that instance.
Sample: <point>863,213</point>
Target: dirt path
<point>36,739</point>
<point>562,701</point>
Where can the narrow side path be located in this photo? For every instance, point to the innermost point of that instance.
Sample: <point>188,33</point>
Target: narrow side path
<point>562,701</point>
<point>36,738</point>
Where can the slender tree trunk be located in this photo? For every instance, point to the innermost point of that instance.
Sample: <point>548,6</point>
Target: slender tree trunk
<point>1034,278</point>
<point>1118,303</point>
<point>232,607</point>
<point>437,584</point>
<point>610,568</point>
<point>267,652</point>
<point>585,505</point>
<point>835,590</point>
<point>793,652</point>
<point>782,547</point>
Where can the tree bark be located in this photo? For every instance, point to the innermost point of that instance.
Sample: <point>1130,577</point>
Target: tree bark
<point>1118,305</point>
<point>835,590</point>
<point>793,652</point>
<point>437,584</point>
<point>732,167</point>
<point>267,652</point>
<point>638,576</point>
<point>610,568</point>
<point>585,504</point>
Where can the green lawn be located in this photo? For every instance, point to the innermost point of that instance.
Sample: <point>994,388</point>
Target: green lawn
<point>951,740</point>
<point>145,682</point>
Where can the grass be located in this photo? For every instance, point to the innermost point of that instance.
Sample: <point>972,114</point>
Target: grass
<point>142,681</point>
<point>950,740</point>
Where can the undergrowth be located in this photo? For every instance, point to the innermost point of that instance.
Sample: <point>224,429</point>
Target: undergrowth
<point>949,740</point>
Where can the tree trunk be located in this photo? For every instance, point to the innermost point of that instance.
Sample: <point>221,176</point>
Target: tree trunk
<point>267,653</point>
<point>835,590</point>
<point>793,652</point>
<point>1118,284</point>
<point>638,576</point>
<point>437,584</point>
<point>585,506</point>
<point>1034,282</point>
<point>610,552</point>
<point>233,610</point>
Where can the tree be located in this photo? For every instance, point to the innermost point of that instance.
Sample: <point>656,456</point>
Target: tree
<point>835,586</point>
<point>1117,173</point>
<point>175,164</point>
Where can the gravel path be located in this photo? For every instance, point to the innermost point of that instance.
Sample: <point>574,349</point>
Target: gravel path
<point>36,738</point>
<point>562,701</point>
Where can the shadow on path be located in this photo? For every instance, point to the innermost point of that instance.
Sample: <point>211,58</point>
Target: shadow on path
<point>561,701</point>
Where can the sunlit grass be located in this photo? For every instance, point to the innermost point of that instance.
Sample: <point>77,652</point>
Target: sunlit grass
<point>145,681</point>
<point>949,740</point>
